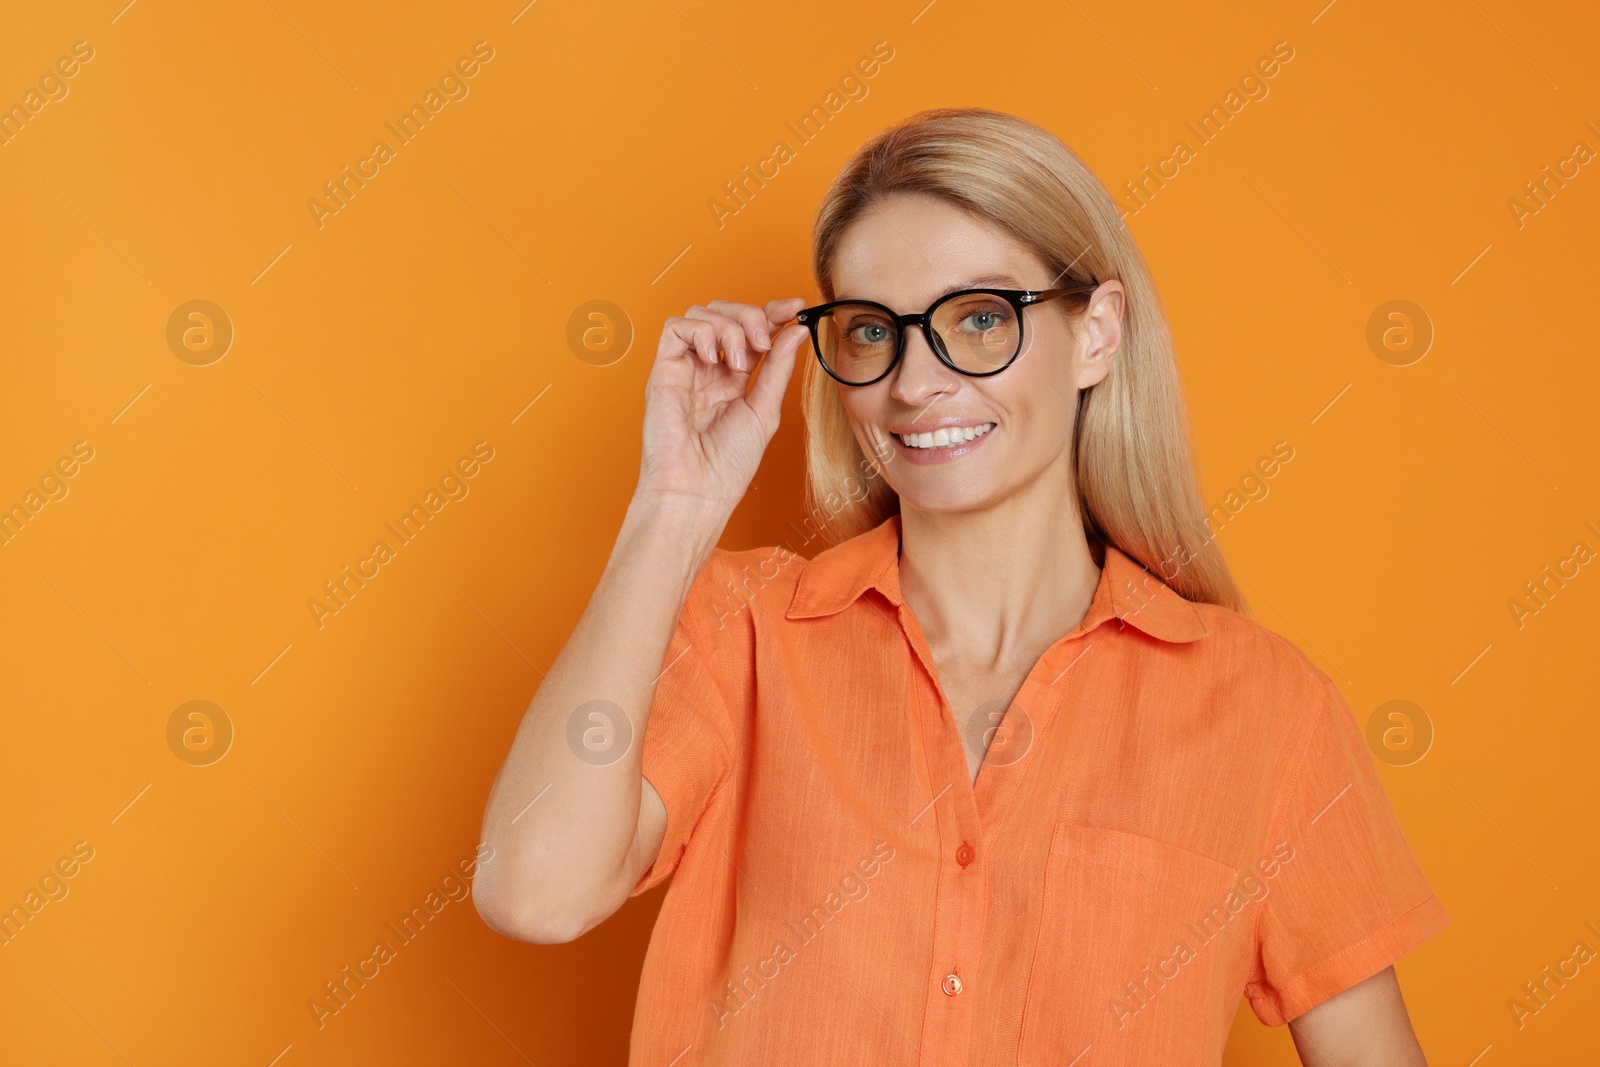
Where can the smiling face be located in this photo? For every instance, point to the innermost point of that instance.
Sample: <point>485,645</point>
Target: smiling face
<point>1009,429</point>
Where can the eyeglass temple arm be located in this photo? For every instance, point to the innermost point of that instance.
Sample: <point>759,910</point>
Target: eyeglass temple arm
<point>1050,294</point>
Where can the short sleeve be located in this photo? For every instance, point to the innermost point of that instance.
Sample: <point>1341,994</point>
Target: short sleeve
<point>1350,898</point>
<point>689,735</point>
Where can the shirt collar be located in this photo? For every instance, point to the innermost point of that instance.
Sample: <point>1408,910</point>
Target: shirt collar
<point>1126,590</point>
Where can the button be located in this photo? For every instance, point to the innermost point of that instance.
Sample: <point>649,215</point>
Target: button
<point>964,854</point>
<point>951,985</point>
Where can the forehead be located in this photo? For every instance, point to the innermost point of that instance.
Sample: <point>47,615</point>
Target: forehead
<point>907,250</point>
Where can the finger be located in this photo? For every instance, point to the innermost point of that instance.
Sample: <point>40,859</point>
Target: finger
<point>729,334</point>
<point>674,341</point>
<point>766,396</point>
<point>754,321</point>
<point>704,338</point>
<point>683,335</point>
<point>782,311</point>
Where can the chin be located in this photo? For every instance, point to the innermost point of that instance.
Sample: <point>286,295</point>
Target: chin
<point>947,498</point>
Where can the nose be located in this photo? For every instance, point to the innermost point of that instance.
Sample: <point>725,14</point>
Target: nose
<point>920,377</point>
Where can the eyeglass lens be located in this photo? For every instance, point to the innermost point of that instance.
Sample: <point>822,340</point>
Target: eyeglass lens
<point>978,332</point>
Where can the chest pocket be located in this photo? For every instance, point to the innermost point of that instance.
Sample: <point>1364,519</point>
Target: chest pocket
<point>1128,936</point>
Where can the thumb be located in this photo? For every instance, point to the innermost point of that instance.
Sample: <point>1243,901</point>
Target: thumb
<point>766,396</point>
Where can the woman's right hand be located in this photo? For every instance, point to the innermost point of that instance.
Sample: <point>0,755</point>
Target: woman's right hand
<point>703,435</point>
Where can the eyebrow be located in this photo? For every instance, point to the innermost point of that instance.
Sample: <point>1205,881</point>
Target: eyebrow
<point>1005,280</point>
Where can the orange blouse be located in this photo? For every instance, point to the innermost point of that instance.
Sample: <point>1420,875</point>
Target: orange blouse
<point>1176,809</point>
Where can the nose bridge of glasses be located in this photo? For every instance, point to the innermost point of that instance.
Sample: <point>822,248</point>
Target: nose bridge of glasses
<point>930,339</point>
<point>924,323</point>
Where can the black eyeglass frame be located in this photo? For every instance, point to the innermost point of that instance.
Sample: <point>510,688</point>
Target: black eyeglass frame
<point>1018,298</point>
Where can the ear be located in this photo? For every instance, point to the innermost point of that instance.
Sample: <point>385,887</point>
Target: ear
<point>1101,330</point>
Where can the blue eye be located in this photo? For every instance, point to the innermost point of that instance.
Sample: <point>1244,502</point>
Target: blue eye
<point>870,333</point>
<point>981,317</point>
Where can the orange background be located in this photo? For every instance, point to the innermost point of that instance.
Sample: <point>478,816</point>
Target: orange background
<point>427,315</point>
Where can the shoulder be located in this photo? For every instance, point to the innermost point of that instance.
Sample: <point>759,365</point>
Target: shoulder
<point>1240,634</point>
<point>1281,712</point>
<point>753,568</point>
<point>739,584</point>
<point>1265,671</point>
<point>776,583</point>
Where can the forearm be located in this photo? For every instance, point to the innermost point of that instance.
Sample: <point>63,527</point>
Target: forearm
<point>561,825</point>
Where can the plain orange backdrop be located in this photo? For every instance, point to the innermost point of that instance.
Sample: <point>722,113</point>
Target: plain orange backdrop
<point>431,312</point>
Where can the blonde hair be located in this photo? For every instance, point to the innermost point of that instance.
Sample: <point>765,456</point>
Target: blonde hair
<point>1132,442</point>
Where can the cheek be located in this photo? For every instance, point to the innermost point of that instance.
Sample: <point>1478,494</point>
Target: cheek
<point>1050,389</point>
<point>1043,377</point>
<point>1040,405</point>
<point>864,410</point>
<point>1053,345</point>
<point>1041,426</point>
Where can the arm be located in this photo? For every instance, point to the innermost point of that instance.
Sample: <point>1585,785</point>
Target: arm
<point>565,863</point>
<point>1364,1026</point>
<point>570,838</point>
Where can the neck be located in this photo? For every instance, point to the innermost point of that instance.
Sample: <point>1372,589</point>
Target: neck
<point>997,585</point>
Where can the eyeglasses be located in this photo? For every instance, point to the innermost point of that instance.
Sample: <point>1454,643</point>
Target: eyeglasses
<point>977,332</point>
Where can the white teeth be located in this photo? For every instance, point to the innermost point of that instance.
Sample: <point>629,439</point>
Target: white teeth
<point>944,437</point>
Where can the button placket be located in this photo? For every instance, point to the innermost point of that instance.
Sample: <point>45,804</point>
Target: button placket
<point>961,901</point>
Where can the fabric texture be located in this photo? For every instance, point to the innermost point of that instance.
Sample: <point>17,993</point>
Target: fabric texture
<point>1177,810</point>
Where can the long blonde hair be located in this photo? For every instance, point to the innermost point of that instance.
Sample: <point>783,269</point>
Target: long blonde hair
<point>1133,442</point>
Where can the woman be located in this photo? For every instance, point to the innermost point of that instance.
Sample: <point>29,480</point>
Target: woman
<point>972,785</point>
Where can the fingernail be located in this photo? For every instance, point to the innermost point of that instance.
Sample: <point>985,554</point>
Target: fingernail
<point>738,359</point>
<point>763,340</point>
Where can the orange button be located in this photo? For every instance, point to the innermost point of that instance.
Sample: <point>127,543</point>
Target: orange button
<point>964,854</point>
<point>951,985</point>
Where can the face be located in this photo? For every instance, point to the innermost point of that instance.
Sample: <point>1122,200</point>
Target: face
<point>907,252</point>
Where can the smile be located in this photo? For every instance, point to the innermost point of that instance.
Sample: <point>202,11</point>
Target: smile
<point>944,437</point>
